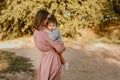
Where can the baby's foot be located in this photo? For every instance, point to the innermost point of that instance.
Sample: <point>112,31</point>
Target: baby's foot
<point>66,65</point>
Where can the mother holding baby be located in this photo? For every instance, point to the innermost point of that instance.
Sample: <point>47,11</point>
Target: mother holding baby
<point>50,65</point>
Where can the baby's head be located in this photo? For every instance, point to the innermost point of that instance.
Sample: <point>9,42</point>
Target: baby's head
<point>52,23</point>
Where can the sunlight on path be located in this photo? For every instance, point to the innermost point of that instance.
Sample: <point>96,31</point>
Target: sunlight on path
<point>102,45</point>
<point>17,43</point>
<point>10,45</point>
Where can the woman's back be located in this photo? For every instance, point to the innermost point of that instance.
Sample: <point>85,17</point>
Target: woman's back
<point>41,42</point>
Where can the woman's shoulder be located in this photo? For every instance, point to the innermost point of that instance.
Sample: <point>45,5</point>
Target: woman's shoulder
<point>37,31</point>
<point>40,33</point>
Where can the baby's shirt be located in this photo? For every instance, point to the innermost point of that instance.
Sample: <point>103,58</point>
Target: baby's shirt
<point>55,35</point>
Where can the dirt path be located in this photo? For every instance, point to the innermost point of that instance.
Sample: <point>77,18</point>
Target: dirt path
<point>95,61</point>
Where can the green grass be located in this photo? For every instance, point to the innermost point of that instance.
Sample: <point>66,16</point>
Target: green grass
<point>9,62</point>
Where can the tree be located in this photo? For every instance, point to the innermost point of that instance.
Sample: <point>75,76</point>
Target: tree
<point>116,4</point>
<point>16,15</point>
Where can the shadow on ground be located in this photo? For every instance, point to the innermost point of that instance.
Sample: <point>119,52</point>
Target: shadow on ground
<point>92,62</point>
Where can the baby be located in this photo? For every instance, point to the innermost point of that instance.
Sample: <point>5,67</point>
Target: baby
<point>54,34</point>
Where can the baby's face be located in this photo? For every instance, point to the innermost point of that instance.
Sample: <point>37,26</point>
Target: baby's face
<point>51,26</point>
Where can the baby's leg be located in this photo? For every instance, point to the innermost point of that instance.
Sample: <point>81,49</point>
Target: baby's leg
<point>62,59</point>
<point>66,65</point>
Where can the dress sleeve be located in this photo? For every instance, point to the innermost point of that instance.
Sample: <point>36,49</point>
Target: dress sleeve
<point>56,45</point>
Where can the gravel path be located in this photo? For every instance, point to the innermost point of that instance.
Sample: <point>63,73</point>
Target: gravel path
<point>89,61</point>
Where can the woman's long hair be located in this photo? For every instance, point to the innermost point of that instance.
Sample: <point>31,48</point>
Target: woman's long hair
<point>39,19</point>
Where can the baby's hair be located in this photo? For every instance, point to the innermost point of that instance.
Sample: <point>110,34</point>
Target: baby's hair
<point>52,19</point>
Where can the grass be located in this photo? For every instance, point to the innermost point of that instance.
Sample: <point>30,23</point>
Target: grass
<point>88,39</point>
<point>110,40</point>
<point>12,64</point>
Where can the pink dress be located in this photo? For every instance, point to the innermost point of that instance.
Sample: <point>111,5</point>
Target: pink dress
<point>50,65</point>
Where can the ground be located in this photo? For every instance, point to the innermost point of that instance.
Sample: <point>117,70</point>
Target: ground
<point>88,61</point>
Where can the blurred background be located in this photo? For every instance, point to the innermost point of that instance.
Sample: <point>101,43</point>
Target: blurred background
<point>84,20</point>
<point>90,30</point>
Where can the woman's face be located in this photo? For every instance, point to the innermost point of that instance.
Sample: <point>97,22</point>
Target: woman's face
<point>45,22</point>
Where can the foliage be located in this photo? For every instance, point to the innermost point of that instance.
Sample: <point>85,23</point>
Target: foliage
<point>16,15</point>
<point>116,4</point>
<point>111,29</point>
<point>12,64</point>
<point>4,61</point>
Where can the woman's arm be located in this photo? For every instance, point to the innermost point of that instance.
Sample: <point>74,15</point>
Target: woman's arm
<point>56,45</point>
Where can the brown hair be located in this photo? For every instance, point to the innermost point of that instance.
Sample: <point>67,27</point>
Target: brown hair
<point>52,19</point>
<point>39,19</point>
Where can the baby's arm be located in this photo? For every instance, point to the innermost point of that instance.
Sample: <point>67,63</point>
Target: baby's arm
<point>59,36</point>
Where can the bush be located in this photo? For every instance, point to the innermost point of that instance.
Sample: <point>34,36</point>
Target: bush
<point>110,29</point>
<point>16,15</point>
<point>116,4</point>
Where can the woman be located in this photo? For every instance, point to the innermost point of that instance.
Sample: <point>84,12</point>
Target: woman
<point>50,65</point>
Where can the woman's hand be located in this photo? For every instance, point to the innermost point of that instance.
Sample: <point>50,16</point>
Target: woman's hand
<point>63,45</point>
<point>59,51</point>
